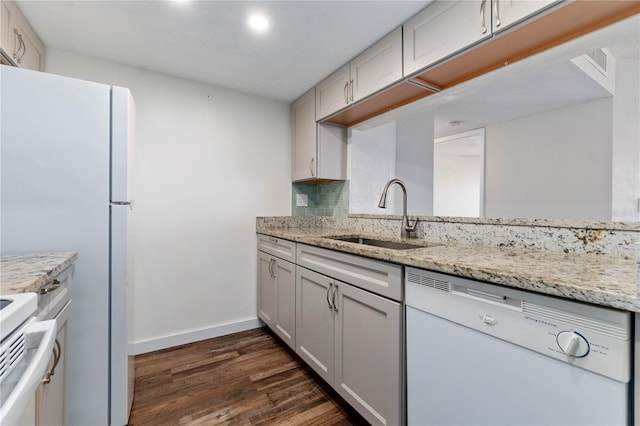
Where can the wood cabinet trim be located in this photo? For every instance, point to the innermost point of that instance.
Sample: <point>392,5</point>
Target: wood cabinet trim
<point>551,28</point>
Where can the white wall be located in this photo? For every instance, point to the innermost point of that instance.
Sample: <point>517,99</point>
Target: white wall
<point>207,161</point>
<point>374,163</point>
<point>553,165</point>
<point>626,140</point>
<point>393,146</point>
<point>414,158</point>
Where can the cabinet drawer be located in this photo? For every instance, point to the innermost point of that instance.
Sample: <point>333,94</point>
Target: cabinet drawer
<point>283,249</point>
<point>56,296</point>
<point>378,277</point>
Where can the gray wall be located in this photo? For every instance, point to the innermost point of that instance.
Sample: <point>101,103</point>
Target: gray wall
<point>554,165</point>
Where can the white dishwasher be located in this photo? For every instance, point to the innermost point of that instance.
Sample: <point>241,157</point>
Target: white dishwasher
<point>481,354</point>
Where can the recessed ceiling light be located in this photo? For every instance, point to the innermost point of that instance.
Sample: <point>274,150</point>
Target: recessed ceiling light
<point>258,23</point>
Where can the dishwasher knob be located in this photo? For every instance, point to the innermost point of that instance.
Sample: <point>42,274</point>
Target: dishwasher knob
<point>573,344</point>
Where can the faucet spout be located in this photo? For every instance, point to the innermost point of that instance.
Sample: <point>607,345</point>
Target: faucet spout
<point>407,228</point>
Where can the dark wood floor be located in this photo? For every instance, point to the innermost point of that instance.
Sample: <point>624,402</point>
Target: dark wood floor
<point>247,378</point>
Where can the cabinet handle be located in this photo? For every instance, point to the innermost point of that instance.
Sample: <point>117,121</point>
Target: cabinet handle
<point>351,89</point>
<point>271,262</point>
<point>483,27</point>
<point>57,354</point>
<point>346,92</point>
<point>311,167</point>
<point>55,284</point>
<point>22,48</point>
<point>329,291</point>
<point>333,298</point>
<point>496,10</point>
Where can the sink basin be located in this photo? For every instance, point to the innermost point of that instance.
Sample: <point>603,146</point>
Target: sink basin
<point>395,245</point>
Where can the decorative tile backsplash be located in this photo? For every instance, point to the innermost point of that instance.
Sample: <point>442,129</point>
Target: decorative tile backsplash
<point>323,199</point>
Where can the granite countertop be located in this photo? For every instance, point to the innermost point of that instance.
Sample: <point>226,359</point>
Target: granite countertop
<point>26,273</point>
<point>597,279</point>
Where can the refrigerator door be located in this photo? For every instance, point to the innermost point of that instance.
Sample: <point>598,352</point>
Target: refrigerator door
<point>122,375</point>
<point>54,196</point>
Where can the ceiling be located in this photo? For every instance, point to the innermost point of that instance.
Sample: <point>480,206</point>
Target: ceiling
<point>210,42</point>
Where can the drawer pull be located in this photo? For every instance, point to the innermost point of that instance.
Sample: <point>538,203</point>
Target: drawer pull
<point>55,284</point>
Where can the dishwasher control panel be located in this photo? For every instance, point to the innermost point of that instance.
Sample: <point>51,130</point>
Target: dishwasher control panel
<point>591,337</point>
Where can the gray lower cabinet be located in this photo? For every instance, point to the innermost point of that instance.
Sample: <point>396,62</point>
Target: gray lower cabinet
<point>315,322</point>
<point>353,339</point>
<point>276,296</point>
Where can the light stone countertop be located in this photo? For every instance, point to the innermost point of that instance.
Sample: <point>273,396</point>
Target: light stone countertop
<point>598,279</point>
<point>25,273</point>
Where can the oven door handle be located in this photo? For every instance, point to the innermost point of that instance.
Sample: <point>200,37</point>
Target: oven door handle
<point>39,338</point>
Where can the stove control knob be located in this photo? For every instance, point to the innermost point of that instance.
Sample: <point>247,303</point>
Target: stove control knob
<point>573,344</point>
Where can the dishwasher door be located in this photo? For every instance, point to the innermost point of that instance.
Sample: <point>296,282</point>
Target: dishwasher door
<point>459,376</point>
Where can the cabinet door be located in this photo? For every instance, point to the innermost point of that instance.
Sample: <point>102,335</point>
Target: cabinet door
<point>442,29</point>
<point>285,319</point>
<point>5,30</point>
<point>332,93</point>
<point>314,322</point>
<point>368,354</point>
<point>332,152</point>
<point>303,132</point>
<point>508,12</point>
<point>22,43</point>
<point>377,67</point>
<point>266,289</point>
<point>51,398</point>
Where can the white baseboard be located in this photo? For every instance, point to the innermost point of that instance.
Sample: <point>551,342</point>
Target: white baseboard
<point>152,345</point>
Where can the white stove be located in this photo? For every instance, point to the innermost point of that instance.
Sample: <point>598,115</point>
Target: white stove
<point>25,350</point>
<point>15,314</point>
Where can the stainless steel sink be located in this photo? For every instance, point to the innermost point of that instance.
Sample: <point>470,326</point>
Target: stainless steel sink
<point>395,245</point>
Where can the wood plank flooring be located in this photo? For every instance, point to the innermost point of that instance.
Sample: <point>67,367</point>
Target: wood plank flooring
<point>247,378</point>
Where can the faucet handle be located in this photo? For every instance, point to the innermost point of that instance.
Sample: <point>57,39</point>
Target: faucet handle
<point>411,228</point>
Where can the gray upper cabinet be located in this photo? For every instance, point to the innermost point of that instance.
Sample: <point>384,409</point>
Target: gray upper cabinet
<point>374,69</point>
<point>508,12</point>
<point>19,43</point>
<point>332,93</point>
<point>442,29</point>
<point>318,151</point>
<point>447,27</point>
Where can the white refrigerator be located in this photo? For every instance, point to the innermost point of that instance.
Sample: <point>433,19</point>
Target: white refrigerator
<point>64,153</point>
